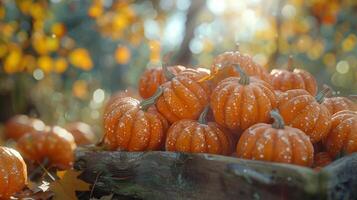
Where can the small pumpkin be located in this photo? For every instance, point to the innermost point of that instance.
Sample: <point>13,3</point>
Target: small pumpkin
<point>83,133</point>
<point>152,78</point>
<point>118,95</point>
<point>13,172</point>
<point>239,102</point>
<point>301,110</point>
<point>18,125</point>
<point>342,137</point>
<point>288,79</point>
<point>54,144</point>
<point>276,143</point>
<point>199,137</point>
<point>184,96</point>
<point>321,160</point>
<point>224,66</point>
<point>134,126</point>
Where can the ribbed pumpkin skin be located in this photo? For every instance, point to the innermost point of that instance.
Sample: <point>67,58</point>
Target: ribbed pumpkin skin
<point>237,107</point>
<point>224,66</point>
<point>127,127</point>
<point>336,104</point>
<point>13,172</point>
<point>288,145</point>
<point>119,95</point>
<point>194,137</point>
<point>18,125</point>
<point>300,110</point>
<point>284,80</point>
<point>83,134</point>
<point>343,134</point>
<point>54,143</point>
<point>184,97</point>
<point>152,78</point>
<point>322,159</point>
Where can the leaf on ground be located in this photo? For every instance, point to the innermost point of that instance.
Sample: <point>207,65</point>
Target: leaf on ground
<point>29,194</point>
<point>66,187</point>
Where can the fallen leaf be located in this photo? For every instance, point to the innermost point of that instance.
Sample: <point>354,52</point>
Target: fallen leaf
<point>66,187</point>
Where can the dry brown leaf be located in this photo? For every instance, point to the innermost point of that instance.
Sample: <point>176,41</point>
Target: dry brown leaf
<point>65,187</point>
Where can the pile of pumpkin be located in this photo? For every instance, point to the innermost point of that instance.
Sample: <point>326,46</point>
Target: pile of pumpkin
<point>50,147</point>
<point>236,108</point>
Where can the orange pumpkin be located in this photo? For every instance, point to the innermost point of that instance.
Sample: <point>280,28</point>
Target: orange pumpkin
<point>301,110</point>
<point>118,95</point>
<point>184,96</point>
<point>289,79</point>
<point>134,126</point>
<point>18,125</point>
<point>342,137</point>
<point>83,134</point>
<point>336,104</point>
<point>199,137</point>
<point>240,102</point>
<point>55,145</point>
<point>13,172</point>
<point>321,160</point>
<point>152,78</point>
<point>224,66</point>
<point>276,143</point>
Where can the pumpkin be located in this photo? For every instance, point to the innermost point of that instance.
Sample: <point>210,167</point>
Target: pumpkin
<point>118,95</point>
<point>184,96</point>
<point>134,126</point>
<point>276,143</point>
<point>288,79</point>
<point>301,110</point>
<point>13,172</point>
<point>152,78</point>
<point>199,137</point>
<point>321,160</point>
<point>342,137</point>
<point>54,145</point>
<point>18,125</point>
<point>239,102</point>
<point>224,66</point>
<point>83,134</point>
<point>336,104</point>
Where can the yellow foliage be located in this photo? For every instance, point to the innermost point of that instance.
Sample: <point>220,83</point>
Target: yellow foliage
<point>349,43</point>
<point>45,63</point>
<point>96,9</point>
<point>80,58</point>
<point>59,29</point>
<point>3,50</point>
<point>80,89</point>
<point>28,63</point>
<point>12,61</point>
<point>60,65</point>
<point>122,55</point>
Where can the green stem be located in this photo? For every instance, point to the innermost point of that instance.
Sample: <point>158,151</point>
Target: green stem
<point>278,120</point>
<point>165,60</point>
<point>290,63</point>
<point>145,104</point>
<point>322,94</point>
<point>244,78</point>
<point>203,117</point>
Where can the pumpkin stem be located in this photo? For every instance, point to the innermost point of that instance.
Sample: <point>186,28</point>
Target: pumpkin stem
<point>278,120</point>
<point>330,92</point>
<point>203,117</point>
<point>168,75</point>
<point>322,94</point>
<point>290,63</point>
<point>244,78</point>
<point>145,104</point>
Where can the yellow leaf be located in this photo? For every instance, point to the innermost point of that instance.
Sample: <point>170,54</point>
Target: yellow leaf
<point>65,187</point>
<point>12,62</point>
<point>122,55</point>
<point>80,58</point>
<point>96,9</point>
<point>60,65</point>
<point>59,29</point>
<point>155,49</point>
<point>45,63</point>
